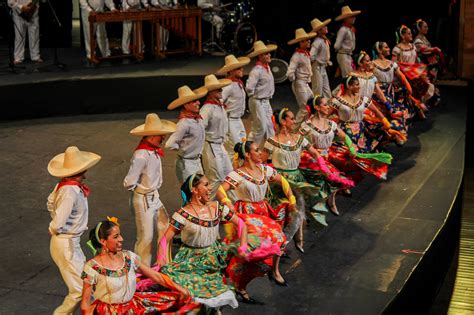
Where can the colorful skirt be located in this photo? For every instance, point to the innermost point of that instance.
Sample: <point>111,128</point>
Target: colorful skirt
<point>147,303</point>
<point>263,233</point>
<point>356,131</point>
<point>200,270</point>
<point>417,75</point>
<point>354,167</point>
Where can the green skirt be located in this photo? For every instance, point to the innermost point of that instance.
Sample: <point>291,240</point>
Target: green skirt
<point>200,270</point>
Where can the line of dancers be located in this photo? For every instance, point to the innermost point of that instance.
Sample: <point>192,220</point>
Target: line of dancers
<point>263,186</point>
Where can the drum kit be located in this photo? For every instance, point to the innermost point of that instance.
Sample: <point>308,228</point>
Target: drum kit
<point>232,31</point>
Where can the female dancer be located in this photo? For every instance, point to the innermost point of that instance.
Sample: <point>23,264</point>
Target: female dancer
<point>432,56</point>
<point>404,53</point>
<point>111,278</point>
<point>250,183</point>
<point>285,151</point>
<point>199,263</point>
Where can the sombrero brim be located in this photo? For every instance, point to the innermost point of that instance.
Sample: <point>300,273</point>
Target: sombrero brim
<point>167,127</point>
<point>57,169</point>
<point>347,15</point>
<point>326,22</point>
<point>300,39</point>
<point>220,85</point>
<point>270,47</point>
<point>243,61</point>
<point>199,93</point>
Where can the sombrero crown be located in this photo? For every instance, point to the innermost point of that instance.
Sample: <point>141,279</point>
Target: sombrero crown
<point>186,95</point>
<point>154,126</point>
<point>72,162</point>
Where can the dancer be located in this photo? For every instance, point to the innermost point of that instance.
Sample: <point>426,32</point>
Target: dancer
<point>284,150</point>
<point>260,88</point>
<point>299,72</point>
<point>432,56</point>
<point>199,263</point>
<point>144,178</point>
<point>215,160</point>
<point>320,55</point>
<point>188,139</point>
<point>250,183</point>
<point>110,276</point>
<point>69,209</point>
<point>346,40</point>
<point>233,97</point>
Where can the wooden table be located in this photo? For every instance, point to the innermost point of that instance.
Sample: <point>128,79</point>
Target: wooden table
<point>181,21</point>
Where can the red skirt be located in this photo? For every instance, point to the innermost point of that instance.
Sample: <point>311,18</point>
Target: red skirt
<point>148,303</point>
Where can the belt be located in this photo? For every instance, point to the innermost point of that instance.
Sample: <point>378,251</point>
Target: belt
<point>235,118</point>
<point>262,99</point>
<point>213,142</point>
<point>344,53</point>
<point>197,157</point>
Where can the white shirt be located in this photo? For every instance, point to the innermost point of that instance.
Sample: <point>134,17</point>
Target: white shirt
<point>260,83</point>
<point>350,112</point>
<point>321,139</point>
<point>16,5</point>
<point>133,4</point>
<point>188,138</point>
<point>405,55</point>
<point>216,124</point>
<point>145,174</point>
<point>233,97</point>
<point>248,188</point>
<point>284,156</point>
<point>367,84</point>
<point>320,52</point>
<point>345,40</point>
<point>96,5</point>
<point>300,68</point>
<point>69,211</point>
<point>385,75</point>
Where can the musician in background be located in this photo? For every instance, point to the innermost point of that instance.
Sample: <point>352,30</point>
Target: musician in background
<point>91,7</point>
<point>127,25</point>
<point>164,33</point>
<point>25,18</point>
<point>211,15</point>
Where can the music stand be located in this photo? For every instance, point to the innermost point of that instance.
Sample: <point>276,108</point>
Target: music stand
<point>56,63</point>
<point>11,68</point>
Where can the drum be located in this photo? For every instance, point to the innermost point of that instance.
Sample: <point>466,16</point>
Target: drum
<point>279,68</point>
<point>239,38</point>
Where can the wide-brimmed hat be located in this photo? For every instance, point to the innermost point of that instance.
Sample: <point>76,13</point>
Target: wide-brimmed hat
<point>72,162</point>
<point>211,83</point>
<point>301,35</point>
<point>260,48</point>
<point>346,12</point>
<point>186,95</point>
<point>232,63</point>
<point>154,126</point>
<point>316,24</point>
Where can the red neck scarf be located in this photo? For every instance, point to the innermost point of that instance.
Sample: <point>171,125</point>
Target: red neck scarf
<point>145,145</point>
<point>187,114</point>
<point>64,182</point>
<point>241,84</point>
<point>214,101</point>
<point>349,26</point>
<point>264,65</point>
<point>302,51</point>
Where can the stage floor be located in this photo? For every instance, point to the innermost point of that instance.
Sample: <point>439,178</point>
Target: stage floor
<point>354,266</point>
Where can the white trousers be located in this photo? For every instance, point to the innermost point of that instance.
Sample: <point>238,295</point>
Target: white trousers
<point>126,34</point>
<point>21,26</point>
<point>345,63</point>
<point>68,256</point>
<point>235,135</point>
<point>187,167</point>
<point>100,33</point>
<point>217,165</point>
<point>149,217</point>
<point>320,81</point>
<point>262,126</point>
<point>302,93</point>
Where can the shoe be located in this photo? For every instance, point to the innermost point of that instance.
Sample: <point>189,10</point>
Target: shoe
<point>39,60</point>
<point>298,246</point>
<point>347,193</point>
<point>245,298</point>
<point>272,279</point>
<point>17,62</point>
<point>331,202</point>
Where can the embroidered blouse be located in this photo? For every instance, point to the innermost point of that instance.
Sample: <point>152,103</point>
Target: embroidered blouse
<point>197,232</point>
<point>348,112</point>
<point>387,74</point>
<point>321,139</point>
<point>366,83</point>
<point>284,156</point>
<point>405,55</point>
<point>248,188</point>
<point>113,285</point>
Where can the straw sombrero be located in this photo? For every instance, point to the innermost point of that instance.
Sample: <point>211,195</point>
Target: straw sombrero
<point>232,63</point>
<point>186,95</point>
<point>154,126</point>
<point>346,12</point>
<point>211,83</point>
<point>260,48</point>
<point>72,162</point>
<point>316,24</point>
<point>301,35</point>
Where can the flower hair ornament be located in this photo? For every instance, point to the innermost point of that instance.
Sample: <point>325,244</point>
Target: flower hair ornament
<point>399,33</point>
